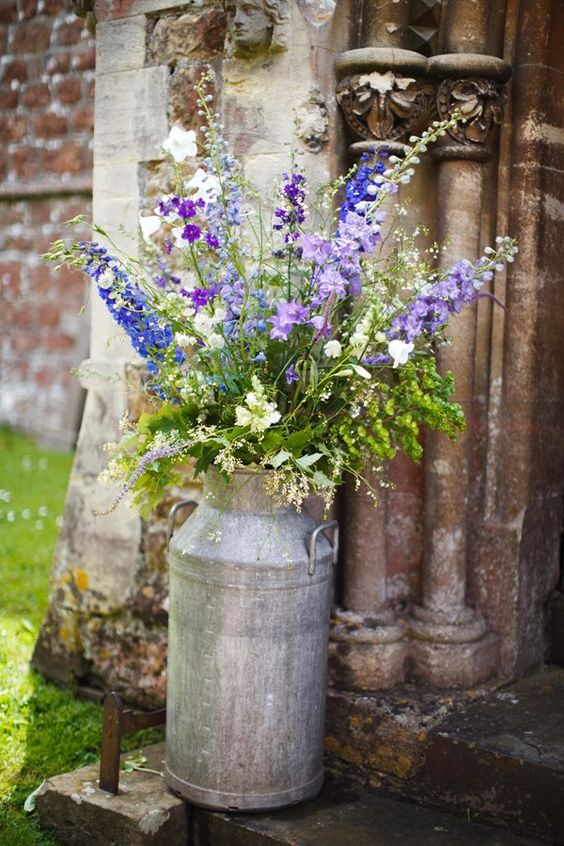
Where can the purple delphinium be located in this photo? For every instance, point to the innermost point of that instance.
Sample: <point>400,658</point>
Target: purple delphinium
<point>315,248</point>
<point>292,214</point>
<point>202,296</point>
<point>287,316</point>
<point>129,307</point>
<point>364,185</point>
<point>191,232</point>
<point>430,311</point>
<point>292,375</point>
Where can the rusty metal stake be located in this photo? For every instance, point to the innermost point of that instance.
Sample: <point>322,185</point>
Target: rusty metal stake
<point>118,721</point>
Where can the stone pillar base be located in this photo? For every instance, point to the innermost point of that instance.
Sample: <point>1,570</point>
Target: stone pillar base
<point>366,653</point>
<point>456,663</point>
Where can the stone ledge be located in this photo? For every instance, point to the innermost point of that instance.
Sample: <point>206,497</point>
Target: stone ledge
<point>147,814</point>
<point>144,813</point>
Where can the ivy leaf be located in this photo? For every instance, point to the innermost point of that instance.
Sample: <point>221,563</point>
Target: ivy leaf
<point>298,440</point>
<point>280,458</point>
<point>307,460</point>
<point>321,480</point>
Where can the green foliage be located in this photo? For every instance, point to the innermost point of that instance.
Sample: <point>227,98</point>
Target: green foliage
<point>44,729</point>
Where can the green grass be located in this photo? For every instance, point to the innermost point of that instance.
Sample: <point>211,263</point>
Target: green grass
<point>44,729</point>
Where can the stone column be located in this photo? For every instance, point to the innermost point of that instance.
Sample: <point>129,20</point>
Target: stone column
<point>451,645</point>
<point>368,645</point>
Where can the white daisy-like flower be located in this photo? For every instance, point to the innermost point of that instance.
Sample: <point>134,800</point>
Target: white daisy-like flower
<point>332,349</point>
<point>205,186</point>
<point>149,225</point>
<point>399,351</point>
<point>181,144</point>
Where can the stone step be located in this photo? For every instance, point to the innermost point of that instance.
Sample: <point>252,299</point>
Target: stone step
<point>496,751</point>
<point>503,756</point>
<point>145,813</point>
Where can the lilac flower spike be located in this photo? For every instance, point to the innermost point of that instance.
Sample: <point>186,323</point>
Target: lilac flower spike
<point>292,375</point>
<point>315,248</point>
<point>288,315</point>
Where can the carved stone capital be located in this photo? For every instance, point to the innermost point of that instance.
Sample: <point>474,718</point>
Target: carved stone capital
<point>478,100</point>
<point>384,105</point>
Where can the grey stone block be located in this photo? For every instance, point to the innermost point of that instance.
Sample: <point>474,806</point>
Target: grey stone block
<point>144,813</point>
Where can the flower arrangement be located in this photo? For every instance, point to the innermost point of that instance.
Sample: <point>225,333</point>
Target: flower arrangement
<point>299,337</point>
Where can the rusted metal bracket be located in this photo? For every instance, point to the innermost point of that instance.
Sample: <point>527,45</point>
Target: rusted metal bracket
<point>118,721</point>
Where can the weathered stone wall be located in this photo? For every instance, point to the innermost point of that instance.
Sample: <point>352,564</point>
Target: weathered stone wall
<point>447,582</point>
<point>106,623</point>
<point>46,127</point>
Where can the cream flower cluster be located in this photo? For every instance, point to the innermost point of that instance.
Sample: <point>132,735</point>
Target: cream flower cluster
<point>258,414</point>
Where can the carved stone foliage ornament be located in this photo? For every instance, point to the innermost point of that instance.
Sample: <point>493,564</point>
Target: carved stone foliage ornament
<point>479,101</point>
<point>312,122</point>
<point>383,106</point>
<point>258,26</point>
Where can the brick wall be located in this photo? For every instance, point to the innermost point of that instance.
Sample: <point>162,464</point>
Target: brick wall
<point>46,129</point>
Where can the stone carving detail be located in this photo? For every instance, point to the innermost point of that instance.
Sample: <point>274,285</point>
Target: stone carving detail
<point>317,12</point>
<point>479,101</point>
<point>258,26</point>
<point>384,106</point>
<point>312,122</point>
<point>424,25</point>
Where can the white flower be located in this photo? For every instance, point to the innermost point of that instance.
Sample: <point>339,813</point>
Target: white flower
<point>205,185</point>
<point>259,414</point>
<point>399,351</point>
<point>215,341</point>
<point>332,349</point>
<point>106,279</point>
<point>184,340</point>
<point>203,323</point>
<point>180,144</point>
<point>149,225</point>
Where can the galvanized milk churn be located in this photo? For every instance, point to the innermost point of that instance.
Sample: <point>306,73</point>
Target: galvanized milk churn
<point>250,592</point>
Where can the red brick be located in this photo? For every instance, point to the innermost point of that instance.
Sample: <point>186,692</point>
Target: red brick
<point>10,276</point>
<point>40,211</point>
<point>16,69</point>
<point>9,97</point>
<point>49,314</point>
<point>70,282</point>
<point>57,342</point>
<point>53,7</point>
<point>31,37</point>
<point>29,8</point>
<point>69,158</point>
<point>3,41</point>
<point>27,162</point>
<point>46,376</point>
<point>22,242</point>
<point>41,278</point>
<point>36,95</point>
<point>8,11</point>
<point>89,90</point>
<point>24,342</point>
<point>10,213</point>
<point>13,127</point>
<point>69,90</point>
<point>70,33</point>
<point>83,119</point>
<point>59,63</point>
<point>23,315</point>
<point>3,164</point>
<point>84,59</point>
<point>20,369</point>
<point>49,125</point>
